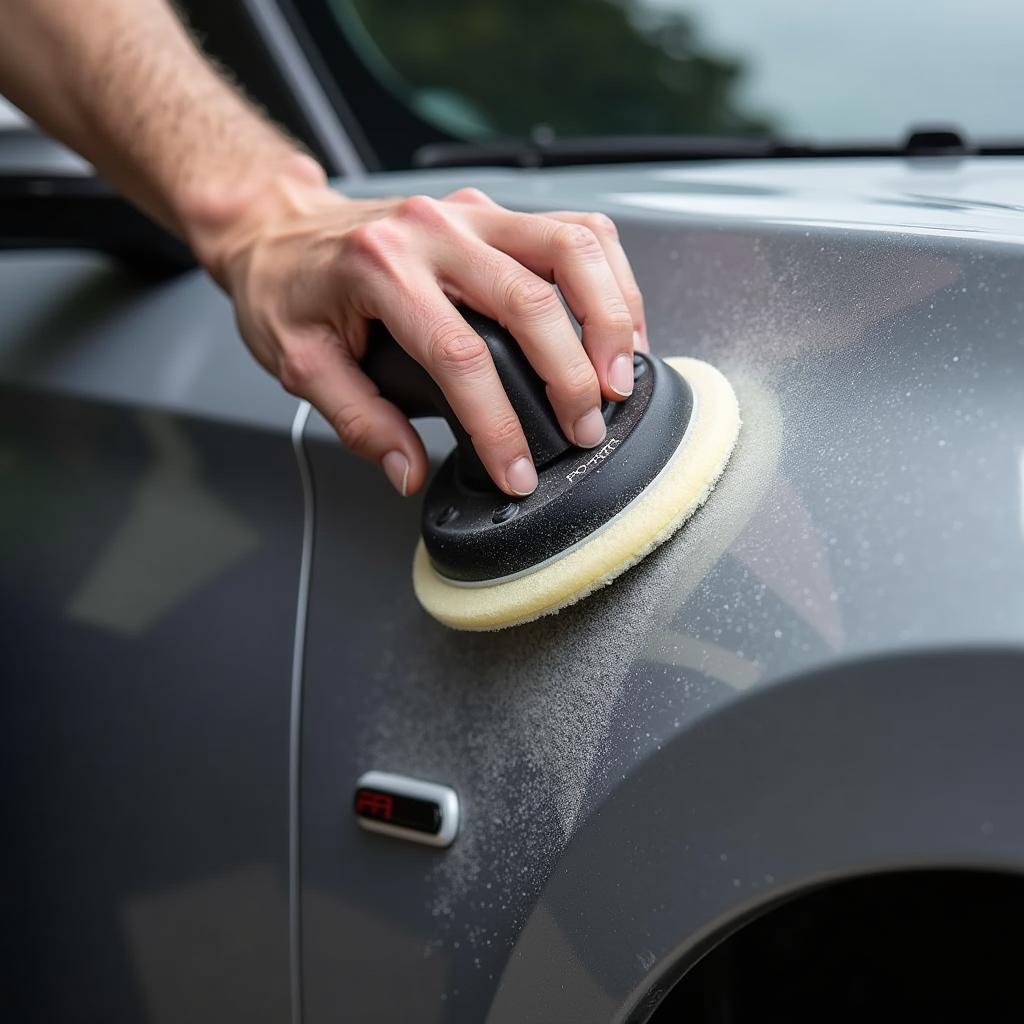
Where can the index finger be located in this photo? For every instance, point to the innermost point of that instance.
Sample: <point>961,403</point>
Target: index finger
<point>432,331</point>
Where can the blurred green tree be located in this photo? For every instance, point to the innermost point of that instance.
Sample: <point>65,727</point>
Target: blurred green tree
<point>485,68</point>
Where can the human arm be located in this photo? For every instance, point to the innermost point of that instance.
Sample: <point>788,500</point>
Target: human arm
<point>121,82</point>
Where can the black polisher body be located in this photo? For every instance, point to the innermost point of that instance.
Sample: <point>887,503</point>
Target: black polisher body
<point>472,531</point>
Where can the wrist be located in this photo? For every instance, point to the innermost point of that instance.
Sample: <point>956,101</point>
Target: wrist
<point>220,216</point>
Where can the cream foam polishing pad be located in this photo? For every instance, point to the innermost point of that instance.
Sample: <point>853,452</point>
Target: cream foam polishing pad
<point>592,554</point>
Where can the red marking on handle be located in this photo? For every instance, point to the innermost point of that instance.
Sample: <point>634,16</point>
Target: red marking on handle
<point>374,804</point>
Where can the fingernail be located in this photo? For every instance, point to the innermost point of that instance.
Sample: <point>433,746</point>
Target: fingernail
<point>396,469</point>
<point>589,429</point>
<point>636,341</point>
<point>521,477</point>
<point>620,376</point>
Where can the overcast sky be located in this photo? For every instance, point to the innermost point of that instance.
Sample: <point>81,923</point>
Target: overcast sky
<point>874,67</point>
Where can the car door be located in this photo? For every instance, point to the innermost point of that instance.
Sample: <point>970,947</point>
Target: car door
<point>150,535</point>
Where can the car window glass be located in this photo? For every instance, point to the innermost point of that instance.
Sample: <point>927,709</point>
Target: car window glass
<point>479,69</point>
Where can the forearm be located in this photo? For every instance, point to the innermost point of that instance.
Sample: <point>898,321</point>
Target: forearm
<point>121,82</point>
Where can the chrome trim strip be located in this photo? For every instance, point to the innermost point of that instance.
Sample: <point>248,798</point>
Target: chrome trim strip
<point>295,723</point>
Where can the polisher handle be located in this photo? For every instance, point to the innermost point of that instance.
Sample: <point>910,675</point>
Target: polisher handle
<point>403,381</point>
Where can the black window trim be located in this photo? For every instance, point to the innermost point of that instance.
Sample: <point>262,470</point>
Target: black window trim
<point>386,131</point>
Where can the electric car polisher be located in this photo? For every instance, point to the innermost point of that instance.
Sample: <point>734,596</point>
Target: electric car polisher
<point>486,562</point>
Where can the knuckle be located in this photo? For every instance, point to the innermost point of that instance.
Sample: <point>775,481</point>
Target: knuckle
<point>633,298</point>
<point>353,426</point>
<point>421,210</point>
<point>602,225</point>
<point>616,317</point>
<point>470,195</point>
<point>455,349</point>
<point>362,239</point>
<point>502,431</point>
<point>579,381</point>
<point>297,369</point>
<point>578,240</point>
<point>527,296</point>
<point>374,243</point>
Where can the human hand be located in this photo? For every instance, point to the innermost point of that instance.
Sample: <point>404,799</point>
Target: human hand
<point>308,269</point>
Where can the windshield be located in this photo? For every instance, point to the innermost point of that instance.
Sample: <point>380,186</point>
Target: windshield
<point>800,69</point>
